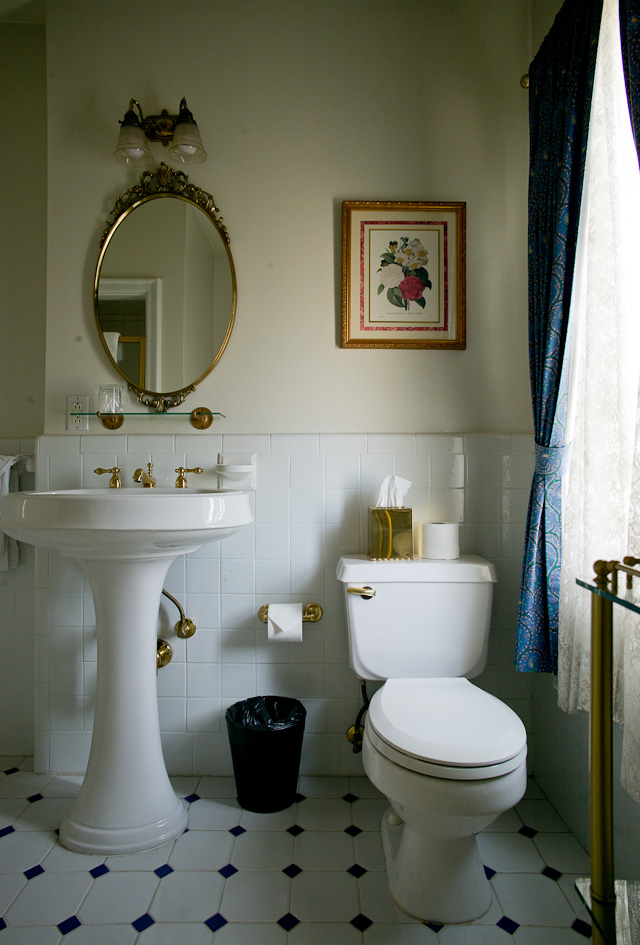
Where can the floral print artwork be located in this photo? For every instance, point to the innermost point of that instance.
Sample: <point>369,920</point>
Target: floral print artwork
<point>403,273</point>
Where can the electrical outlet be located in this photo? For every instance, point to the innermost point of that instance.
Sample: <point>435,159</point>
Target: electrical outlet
<point>78,404</point>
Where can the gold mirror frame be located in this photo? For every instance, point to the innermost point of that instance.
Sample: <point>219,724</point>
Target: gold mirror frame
<point>162,183</point>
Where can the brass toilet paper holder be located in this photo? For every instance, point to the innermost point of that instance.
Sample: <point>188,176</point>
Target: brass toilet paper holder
<point>311,613</point>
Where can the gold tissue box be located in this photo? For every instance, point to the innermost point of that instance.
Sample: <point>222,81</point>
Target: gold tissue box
<point>390,533</point>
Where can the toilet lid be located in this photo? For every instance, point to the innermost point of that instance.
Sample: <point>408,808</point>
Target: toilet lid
<point>447,722</point>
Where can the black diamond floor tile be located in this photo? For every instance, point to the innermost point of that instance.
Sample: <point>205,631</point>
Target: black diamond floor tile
<point>361,922</point>
<point>288,922</point>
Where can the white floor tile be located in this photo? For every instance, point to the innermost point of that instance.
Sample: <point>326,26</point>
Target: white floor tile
<point>59,858</point>
<point>473,935</point>
<point>168,933</point>
<point>187,897</point>
<point>530,936</point>
<point>63,786</point>
<point>32,935</point>
<point>369,850</point>
<point>208,814</point>
<point>264,850</point>
<point>540,815</point>
<point>324,850</point>
<point>323,787</point>
<point>118,898</point>
<point>381,934</point>
<point>10,886</point>
<point>367,813</point>
<point>201,850</point>
<point>252,933</point>
<point>324,814</point>
<point>24,784</point>
<point>46,814</point>
<point>509,853</point>
<point>101,934</point>
<point>532,899</point>
<point>20,851</point>
<point>324,897</point>
<point>255,897</point>
<point>321,933</point>
<point>146,861</point>
<point>49,899</point>
<point>563,852</point>
<point>216,787</point>
<point>10,809</point>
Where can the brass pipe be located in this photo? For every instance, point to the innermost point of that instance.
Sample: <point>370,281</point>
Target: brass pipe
<point>601,771</point>
<point>185,627</point>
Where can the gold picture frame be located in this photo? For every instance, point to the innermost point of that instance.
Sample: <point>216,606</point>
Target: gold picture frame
<point>403,274</point>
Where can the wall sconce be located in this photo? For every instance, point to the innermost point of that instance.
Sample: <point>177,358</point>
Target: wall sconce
<point>177,132</point>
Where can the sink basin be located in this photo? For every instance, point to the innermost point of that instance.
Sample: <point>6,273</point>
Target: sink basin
<point>125,541</point>
<point>123,522</point>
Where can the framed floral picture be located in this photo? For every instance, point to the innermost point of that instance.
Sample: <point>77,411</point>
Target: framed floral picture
<point>403,274</point>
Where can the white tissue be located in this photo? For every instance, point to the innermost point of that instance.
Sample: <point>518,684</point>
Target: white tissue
<point>392,492</point>
<point>438,540</point>
<point>284,623</point>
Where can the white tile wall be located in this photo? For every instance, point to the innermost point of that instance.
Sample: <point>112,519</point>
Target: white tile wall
<point>17,615</point>
<point>310,506</point>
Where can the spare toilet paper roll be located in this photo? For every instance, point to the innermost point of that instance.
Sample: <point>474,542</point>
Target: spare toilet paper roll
<point>284,623</point>
<point>438,540</point>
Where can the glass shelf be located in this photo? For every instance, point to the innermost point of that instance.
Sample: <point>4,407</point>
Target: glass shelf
<point>626,598</point>
<point>141,413</point>
<point>615,913</point>
<point>627,908</point>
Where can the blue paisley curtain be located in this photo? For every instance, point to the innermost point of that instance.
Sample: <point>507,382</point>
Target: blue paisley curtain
<point>560,90</point>
<point>630,36</point>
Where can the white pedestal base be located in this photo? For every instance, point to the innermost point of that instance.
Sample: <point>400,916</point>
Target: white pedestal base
<point>435,879</point>
<point>126,803</point>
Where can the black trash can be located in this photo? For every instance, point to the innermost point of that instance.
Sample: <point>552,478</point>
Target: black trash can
<point>265,735</point>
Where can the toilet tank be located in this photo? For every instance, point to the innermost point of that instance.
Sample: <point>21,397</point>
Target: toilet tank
<point>427,618</point>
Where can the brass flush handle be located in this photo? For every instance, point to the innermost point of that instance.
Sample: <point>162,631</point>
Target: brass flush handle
<point>366,591</point>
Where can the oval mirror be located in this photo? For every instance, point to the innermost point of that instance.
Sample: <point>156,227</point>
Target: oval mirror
<point>165,287</point>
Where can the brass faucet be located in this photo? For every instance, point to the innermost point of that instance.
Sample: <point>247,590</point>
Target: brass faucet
<point>114,482</point>
<point>181,481</point>
<point>147,480</point>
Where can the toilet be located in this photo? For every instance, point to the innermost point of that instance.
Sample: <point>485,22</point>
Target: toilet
<point>449,757</point>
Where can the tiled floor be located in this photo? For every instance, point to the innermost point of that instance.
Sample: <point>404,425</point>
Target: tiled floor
<point>309,875</point>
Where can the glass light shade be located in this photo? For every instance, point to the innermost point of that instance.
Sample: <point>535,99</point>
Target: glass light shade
<point>132,147</point>
<point>186,145</point>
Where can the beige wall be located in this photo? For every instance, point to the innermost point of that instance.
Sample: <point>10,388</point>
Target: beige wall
<point>302,106</point>
<point>22,229</point>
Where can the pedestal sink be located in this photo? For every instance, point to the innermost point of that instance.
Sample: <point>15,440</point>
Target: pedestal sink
<point>125,540</point>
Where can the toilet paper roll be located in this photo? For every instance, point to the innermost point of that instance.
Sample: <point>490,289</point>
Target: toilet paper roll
<point>438,540</point>
<point>284,623</point>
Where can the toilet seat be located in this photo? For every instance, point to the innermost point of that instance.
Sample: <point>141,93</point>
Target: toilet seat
<point>446,728</point>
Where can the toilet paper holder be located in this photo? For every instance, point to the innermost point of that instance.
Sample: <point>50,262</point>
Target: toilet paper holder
<point>311,613</point>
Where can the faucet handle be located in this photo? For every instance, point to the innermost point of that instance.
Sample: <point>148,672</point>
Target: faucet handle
<point>114,482</point>
<point>181,481</point>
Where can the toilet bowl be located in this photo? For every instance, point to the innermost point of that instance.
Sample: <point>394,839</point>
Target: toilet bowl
<point>449,757</point>
<point>447,774</point>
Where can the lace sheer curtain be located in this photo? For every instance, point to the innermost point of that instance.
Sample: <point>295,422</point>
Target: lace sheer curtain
<point>601,489</point>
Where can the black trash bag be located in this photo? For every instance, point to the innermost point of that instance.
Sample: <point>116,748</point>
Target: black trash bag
<point>267,713</point>
<point>265,737</point>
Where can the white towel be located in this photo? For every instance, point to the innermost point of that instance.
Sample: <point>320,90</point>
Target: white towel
<point>112,338</point>
<point>8,483</point>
